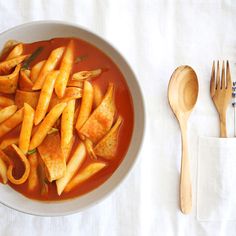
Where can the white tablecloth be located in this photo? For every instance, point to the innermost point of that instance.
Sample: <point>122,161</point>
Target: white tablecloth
<point>155,37</point>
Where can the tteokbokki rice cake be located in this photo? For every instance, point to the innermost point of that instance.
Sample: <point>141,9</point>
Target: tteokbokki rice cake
<point>66,118</point>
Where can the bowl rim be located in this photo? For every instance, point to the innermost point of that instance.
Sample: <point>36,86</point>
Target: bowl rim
<point>142,104</point>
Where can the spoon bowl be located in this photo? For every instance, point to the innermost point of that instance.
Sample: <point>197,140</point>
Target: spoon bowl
<point>183,90</point>
<point>182,95</point>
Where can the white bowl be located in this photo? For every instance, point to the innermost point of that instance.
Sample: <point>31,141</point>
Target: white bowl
<point>43,30</point>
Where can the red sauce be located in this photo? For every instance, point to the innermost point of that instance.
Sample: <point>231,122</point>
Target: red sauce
<point>93,59</point>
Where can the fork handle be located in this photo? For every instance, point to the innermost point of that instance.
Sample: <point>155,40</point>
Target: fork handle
<point>223,131</point>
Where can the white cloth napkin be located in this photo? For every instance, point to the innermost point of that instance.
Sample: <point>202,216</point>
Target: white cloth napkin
<point>216,190</point>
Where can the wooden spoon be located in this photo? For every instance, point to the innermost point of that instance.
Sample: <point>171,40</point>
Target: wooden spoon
<point>182,95</point>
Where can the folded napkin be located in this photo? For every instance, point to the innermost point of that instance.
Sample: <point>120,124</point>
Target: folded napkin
<point>216,189</point>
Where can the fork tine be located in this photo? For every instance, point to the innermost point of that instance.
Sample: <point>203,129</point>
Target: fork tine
<point>223,83</point>
<point>212,83</point>
<point>218,75</point>
<point>228,76</point>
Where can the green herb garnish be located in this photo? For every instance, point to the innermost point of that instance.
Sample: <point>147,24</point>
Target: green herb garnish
<point>80,58</point>
<point>31,151</point>
<point>31,58</point>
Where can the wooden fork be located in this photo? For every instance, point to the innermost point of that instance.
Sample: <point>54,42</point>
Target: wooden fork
<point>221,92</point>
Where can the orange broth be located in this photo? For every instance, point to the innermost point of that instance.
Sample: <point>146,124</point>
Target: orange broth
<point>93,58</point>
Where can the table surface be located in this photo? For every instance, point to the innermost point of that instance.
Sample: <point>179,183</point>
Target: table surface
<point>155,37</point>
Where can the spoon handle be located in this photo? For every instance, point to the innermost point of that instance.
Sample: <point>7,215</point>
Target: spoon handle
<point>185,177</point>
